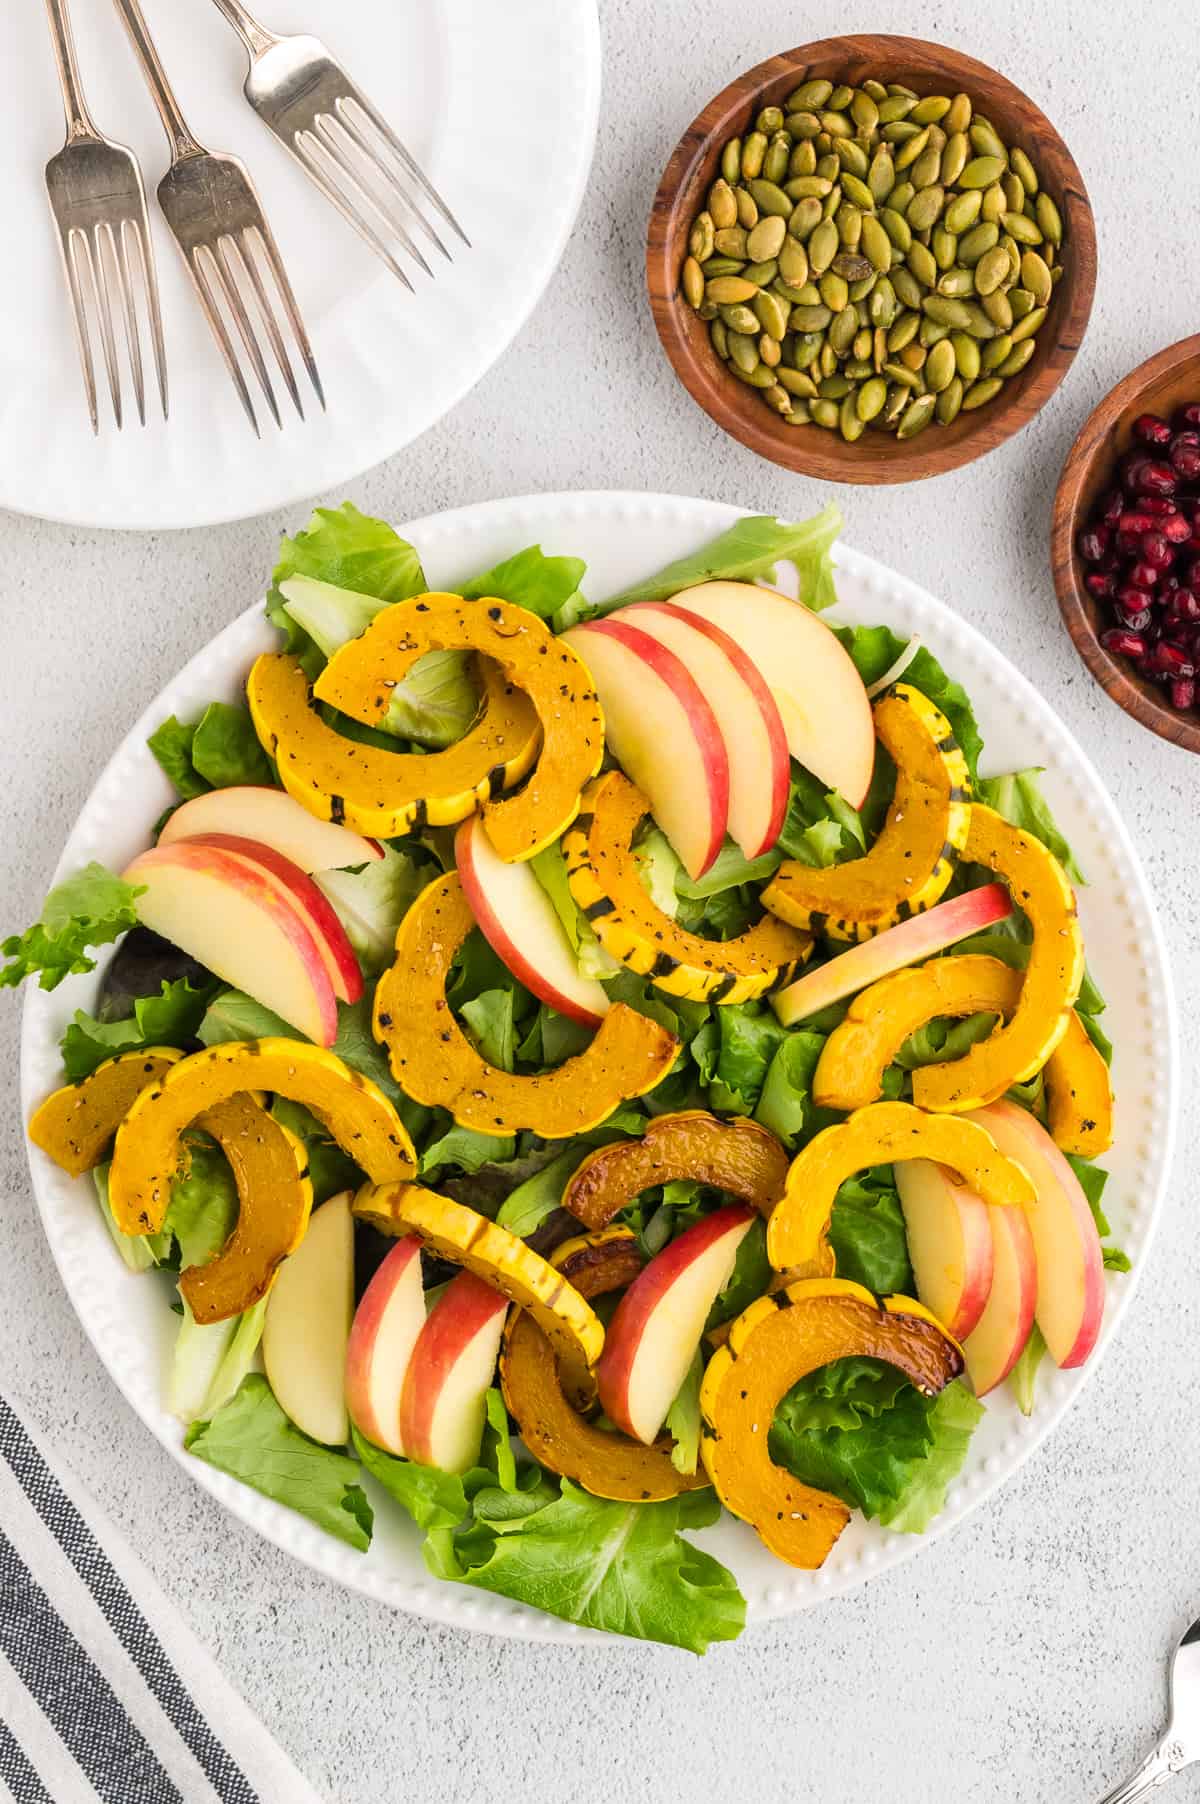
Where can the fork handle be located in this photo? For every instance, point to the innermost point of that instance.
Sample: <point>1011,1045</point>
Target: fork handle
<point>174,124</point>
<point>254,36</point>
<point>79,120</point>
<point>1160,1764</point>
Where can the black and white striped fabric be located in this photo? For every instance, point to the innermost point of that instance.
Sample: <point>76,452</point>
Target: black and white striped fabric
<point>105,1693</point>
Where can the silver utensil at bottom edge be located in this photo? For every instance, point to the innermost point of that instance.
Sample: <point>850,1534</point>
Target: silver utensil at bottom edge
<point>1179,1745</point>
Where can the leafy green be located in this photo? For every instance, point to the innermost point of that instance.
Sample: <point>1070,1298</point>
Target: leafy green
<point>235,1016</point>
<point>1092,1180</point>
<point>433,1499</point>
<point>683,1418</point>
<point>751,548</point>
<point>819,828</point>
<point>1023,1377</point>
<point>952,1417</point>
<point>463,1146</point>
<point>867,1234</point>
<point>749,1278</point>
<point>372,900</point>
<point>210,1359</point>
<point>659,870</point>
<point>90,909</point>
<point>617,1566</point>
<point>1018,797</point>
<point>217,751</point>
<point>330,1170</point>
<point>943,1038</point>
<point>527,1207</point>
<point>329,614</point>
<point>532,580</point>
<point>785,1104</point>
<point>140,1252</point>
<point>171,1018</point>
<point>350,549</point>
<point>729,869</point>
<point>550,868</point>
<point>171,743</point>
<point>204,1202</point>
<point>252,1439</point>
<point>875,649</point>
<point>749,1036</point>
<point>490,1019</point>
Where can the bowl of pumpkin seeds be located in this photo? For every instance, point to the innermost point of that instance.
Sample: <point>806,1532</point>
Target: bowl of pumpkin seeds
<point>871,259</point>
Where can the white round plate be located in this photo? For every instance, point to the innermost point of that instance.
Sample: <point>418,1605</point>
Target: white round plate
<point>497,103</point>
<point>623,537</point>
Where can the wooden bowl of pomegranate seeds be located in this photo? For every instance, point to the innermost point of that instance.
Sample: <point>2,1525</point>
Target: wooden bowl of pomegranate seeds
<point>1125,547</point>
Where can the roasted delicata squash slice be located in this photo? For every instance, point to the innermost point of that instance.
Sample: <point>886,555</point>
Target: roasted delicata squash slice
<point>849,1073</point>
<point>738,1156</point>
<point>1079,1098</point>
<point>501,1260</point>
<point>1013,1052</point>
<point>557,1435</point>
<point>603,874</point>
<point>824,1265</point>
<point>879,1135</point>
<point>360,676</point>
<point>775,1343</point>
<point>381,792</point>
<point>270,1169</point>
<point>148,1148</point>
<point>435,1063</point>
<point>913,857</point>
<point>76,1124</point>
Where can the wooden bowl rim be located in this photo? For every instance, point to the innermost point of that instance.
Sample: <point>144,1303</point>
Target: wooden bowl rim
<point>1138,697</point>
<point>822,455</point>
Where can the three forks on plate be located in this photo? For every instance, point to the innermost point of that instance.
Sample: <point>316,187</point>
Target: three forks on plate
<point>210,204</point>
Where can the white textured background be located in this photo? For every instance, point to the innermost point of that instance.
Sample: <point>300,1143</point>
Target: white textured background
<point>1021,1657</point>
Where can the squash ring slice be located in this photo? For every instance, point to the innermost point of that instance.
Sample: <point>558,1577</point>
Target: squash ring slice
<point>501,1260</point>
<point>603,876</point>
<point>738,1156</point>
<point>270,1169</point>
<point>383,792</point>
<point>607,1465</point>
<point>360,676</point>
<point>1079,1098</point>
<point>879,1135</point>
<point>913,857</point>
<point>434,1062</point>
<point>775,1343</point>
<point>148,1147</point>
<point>75,1125</point>
<point>1014,1052</point>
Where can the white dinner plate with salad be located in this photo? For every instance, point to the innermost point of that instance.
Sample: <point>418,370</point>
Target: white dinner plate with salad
<point>497,104</point>
<point>624,538</point>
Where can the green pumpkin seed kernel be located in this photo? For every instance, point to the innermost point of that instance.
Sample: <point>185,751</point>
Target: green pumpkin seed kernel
<point>1015,362</point>
<point>900,196</point>
<point>770,120</point>
<point>966,355</point>
<point>1020,165</point>
<point>925,208</point>
<point>824,413</point>
<point>998,309</point>
<point>776,160</point>
<point>849,424</point>
<point>692,282</point>
<point>978,323</point>
<point>980,393</point>
<point>871,398</point>
<point>852,157</point>
<point>804,127</point>
<point>981,171</point>
<point>940,366</point>
<point>931,110</point>
<point>896,106</point>
<point>993,354</point>
<point>856,190</point>
<point>754,149</point>
<point>991,269</point>
<point>944,246</point>
<point>747,209</point>
<point>700,239</point>
<point>803,161</point>
<point>738,317</point>
<point>994,206</point>
<point>840,98</point>
<point>949,402</point>
<point>1029,325</point>
<point>731,160</point>
<point>731,242</point>
<point>985,143</point>
<point>766,238</point>
<point>908,290</point>
<point>927,169</point>
<point>762,274</point>
<point>864,110</point>
<point>722,206</point>
<point>916,417</point>
<point>923,264</point>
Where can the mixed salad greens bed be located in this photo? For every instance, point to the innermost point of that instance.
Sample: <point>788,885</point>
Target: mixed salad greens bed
<point>856,1428</point>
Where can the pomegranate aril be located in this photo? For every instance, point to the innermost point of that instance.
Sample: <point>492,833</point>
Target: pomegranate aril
<point>1185,456</point>
<point>1157,505</point>
<point>1189,415</point>
<point>1135,622</point>
<point>1170,661</point>
<point>1149,476</point>
<point>1093,543</point>
<point>1144,576</point>
<point>1100,583</point>
<point>1183,694</point>
<point>1134,522</point>
<point>1129,544</point>
<point>1112,507</point>
<point>1131,597</point>
<point>1156,551</point>
<point>1176,530</point>
<point>1183,605</point>
<point>1149,429</point>
<point>1125,644</point>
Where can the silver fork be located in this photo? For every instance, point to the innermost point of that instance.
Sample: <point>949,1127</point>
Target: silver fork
<point>1179,1745</point>
<point>343,144</point>
<point>218,222</point>
<point>99,207</point>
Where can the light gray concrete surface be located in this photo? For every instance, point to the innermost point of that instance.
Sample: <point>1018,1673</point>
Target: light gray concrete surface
<point>1022,1656</point>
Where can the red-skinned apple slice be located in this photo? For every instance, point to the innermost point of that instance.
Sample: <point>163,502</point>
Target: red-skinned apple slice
<point>657,1325</point>
<point>1070,1261</point>
<point>518,921</point>
<point>313,906</point>
<point>941,926</point>
<point>443,1402</point>
<point>387,1326</point>
<point>231,916</point>
<point>819,694</point>
<point>746,713</point>
<point>998,1339</point>
<point>663,733</point>
<point>275,819</point>
<point>950,1243</point>
<point>307,1324</point>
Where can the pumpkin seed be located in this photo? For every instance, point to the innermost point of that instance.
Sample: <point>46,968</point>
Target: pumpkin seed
<point>811,318</point>
<point>719,333</point>
<point>1014,191</point>
<point>769,120</point>
<point>834,388</point>
<point>966,355</point>
<point>957,283</point>
<point>923,264</point>
<point>692,282</point>
<point>899,132</point>
<point>722,266</point>
<point>981,171</point>
<point>881,175</point>
<point>835,290</point>
<point>904,331</point>
<point>896,106</point>
<point>805,216</point>
<point>1029,325</point>
<point>1025,231</point>
<point>762,274</point>
<point>701,237</point>
<point>881,304</point>
<point>948,311</point>
<point>876,241</point>
<point>916,416</point>
<point>1015,362</point>
<point>770,350</point>
<point>975,243</point>
<point>940,366</point>
<point>913,357</point>
<point>824,413</point>
<point>1021,301</point>
<point>776,160</point>
<point>959,116</point>
<point>928,168</point>
<point>766,239</point>
<point>849,423</point>
<point>925,207</point>
<point>836,124</point>
<point>803,126</point>
<point>981,392</point>
<point>864,111</point>
<point>827,362</point>
<point>949,402</point>
<point>844,330</point>
<point>991,269</point>
<point>908,289</point>
<point>832,201</point>
<point>1021,166</point>
<point>722,206</point>
<point>728,290</point>
<point>897,401</point>
<point>731,160</point>
<point>994,204</point>
<point>860,290</point>
<point>770,198</point>
<point>931,333</point>
<point>953,159</point>
<point>906,378</point>
<point>803,160</point>
<point>731,242</point>
<point>900,196</point>
<point>809,94</point>
<point>747,209</point>
<point>754,149</point>
<point>851,266</point>
<point>707,310</point>
<point>993,354</point>
<point>857,191</point>
<point>871,398</point>
<point>978,324</point>
<point>807,346</point>
<point>852,157</point>
<point>929,111</point>
<point>944,246</point>
<point>998,309</point>
<point>911,149</point>
<point>796,382</point>
<point>823,247</point>
<point>738,317</point>
<point>841,97</point>
<point>772,313</point>
<point>759,377</point>
<point>743,351</point>
<point>896,227</point>
<point>875,89</point>
<point>848,221</point>
<point>985,142</point>
<point>793,260</point>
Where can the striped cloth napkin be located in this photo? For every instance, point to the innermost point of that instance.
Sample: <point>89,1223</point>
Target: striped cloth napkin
<point>105,1693</point>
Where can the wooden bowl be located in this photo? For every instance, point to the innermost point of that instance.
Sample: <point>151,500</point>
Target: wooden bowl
<point>1160,385</point>
<point>876,457</point>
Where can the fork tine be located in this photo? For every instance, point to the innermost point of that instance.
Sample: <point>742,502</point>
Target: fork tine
<point>226,251</point>
<point>392,186</point>
<point>402,156</point>
<point>67,241</point>
<point>248,251</point>
<point>208,301</point>
<point>98,272</point>
<point>137,230</point>
<point>307,147</point>
<point>264,241</point>
<point>133,343</point>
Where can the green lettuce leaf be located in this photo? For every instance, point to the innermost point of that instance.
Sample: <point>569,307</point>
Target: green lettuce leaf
<point>749,1037</point>
<point>353,551</point>
<point>171,1018</point>
<point>749,1278</point>
<point>952,1418</point>
<point>729,870</point>
<point>1023,1377</point>
<point>527,1207</point>
<point>235,1016</point>
<point>550,869</point>
<point>683,1418</point>
<point>944,1038</point>
<point>616,1566</point>
<point>785,1104</point>
<point>875,649</point>
<point>749,549</point>
<point>252,1439</point>
<point>140,1252</point>
<point>90,909</point>
<point>1018,797</point>
<point>468,1149</point>
<point>217,751</point>
<point>433,1499</point>
<point>490,1019</point>
<point>532,580</point>
<point>330,1170</point>
<point>819,828</point>
<point>171,744</point>
<point>866,1231</point>
<point>372,900</point>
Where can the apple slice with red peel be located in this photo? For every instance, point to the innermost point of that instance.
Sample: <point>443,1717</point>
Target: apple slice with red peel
<point>926,934</point>
<point>663,732</point>
<point>746,713</point>
<point>443,1402</point>
<point>307,1324</point>
<point>275,819</point>
<point>1070,1260</point>
<point>657,1324</point>
<point>230,915</point>
<point>820,695</point>
<point>950,1243</point>
<point>517,918</point>
<point>998,1339</point>
<point>311,904</point>
<point>387,1326</point>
